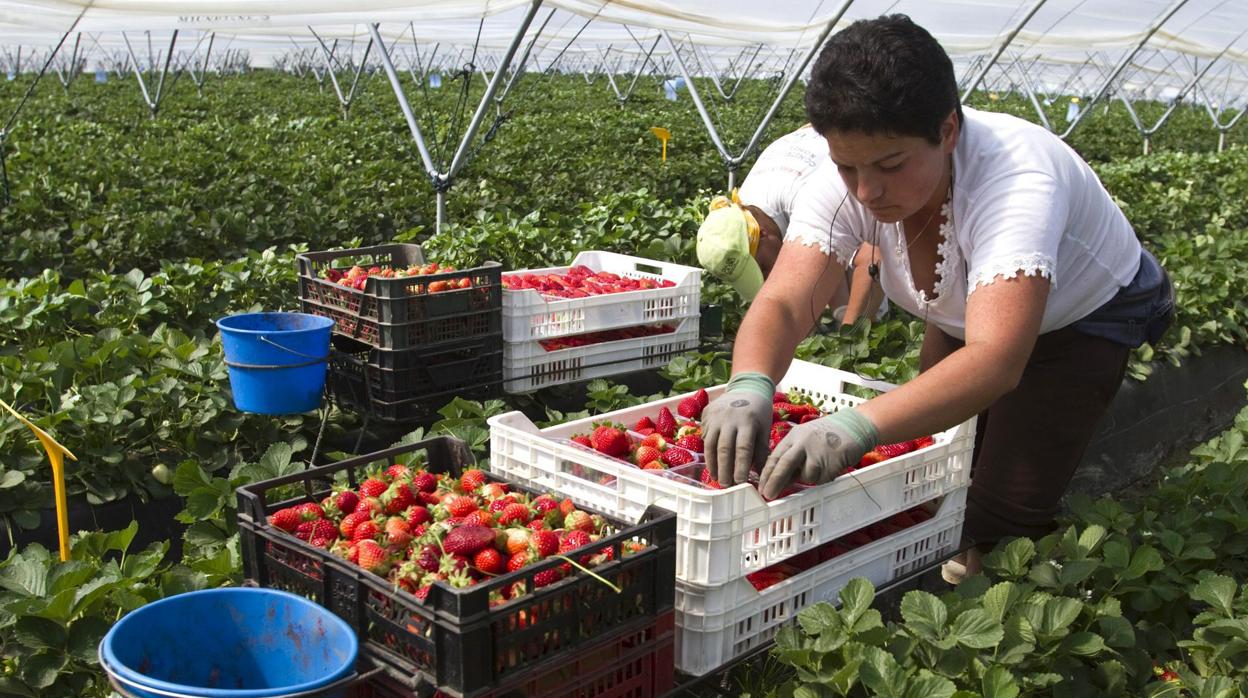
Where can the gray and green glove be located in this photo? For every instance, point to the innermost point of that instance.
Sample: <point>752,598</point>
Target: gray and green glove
<point>816,452</point>
<point>735,427</point>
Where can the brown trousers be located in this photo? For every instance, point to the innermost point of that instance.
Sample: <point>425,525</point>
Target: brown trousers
<point>1029,442</point>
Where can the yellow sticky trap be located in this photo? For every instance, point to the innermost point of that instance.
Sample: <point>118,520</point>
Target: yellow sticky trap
<point>663,135</point>
<point>56,454</point>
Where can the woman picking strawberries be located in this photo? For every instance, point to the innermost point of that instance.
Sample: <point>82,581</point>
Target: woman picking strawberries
<point>1031,281</point>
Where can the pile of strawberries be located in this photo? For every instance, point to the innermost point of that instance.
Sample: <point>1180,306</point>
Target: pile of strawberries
<point>660,443</point>
<point>580,282</point>
<point>581,340</point>
<point>774,574</point>
<point>415,528</point>
<point>356,276</point>
<point>670,442</point>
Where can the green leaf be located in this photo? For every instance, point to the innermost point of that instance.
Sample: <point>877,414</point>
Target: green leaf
<point>121,540</point>
<point>1117,631</point>
<point>70,574</point>
<point>1091,539</point>
<point>142,565</point>
<point>1146,559</point>
<point>929,685</point>
<point>924,613</point>
<point>1059,614</point>
<point>1014,558</point>
<point>998,682</point>
<point>39,633</point>
<point>12,478</point>
<point>203,503</point>
<point>10,686</point>
<point>28,577</point>
<point>999,599</point>
<point>1084,644</point>
<point>85,636</point>
<point>1218,591</point>
<point>1163,689</point>
<point>1116,555</point>
<point>881,674</point>
<point>976,629</point>
<point>856,598</point>
<point>189,477</point>
<point>41,670</point>
<point>820,618</point>
<point>1075,571</point>
<point>59,608</point>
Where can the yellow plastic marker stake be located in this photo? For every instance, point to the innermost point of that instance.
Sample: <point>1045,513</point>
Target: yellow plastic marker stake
<point>663,135</point>
<point>56,454</point>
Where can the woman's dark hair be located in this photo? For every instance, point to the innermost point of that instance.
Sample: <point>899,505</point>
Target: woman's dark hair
<point>885,75</point>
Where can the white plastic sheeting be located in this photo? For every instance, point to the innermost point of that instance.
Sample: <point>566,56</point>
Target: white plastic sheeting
<point>1070,46</point>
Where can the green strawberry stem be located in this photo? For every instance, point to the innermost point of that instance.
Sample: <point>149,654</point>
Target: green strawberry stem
<point>586,570</point>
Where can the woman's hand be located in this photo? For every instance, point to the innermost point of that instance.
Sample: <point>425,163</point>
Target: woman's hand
<point>816,452</point>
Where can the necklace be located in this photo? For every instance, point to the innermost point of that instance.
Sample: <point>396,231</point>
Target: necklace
<point>928,222</point>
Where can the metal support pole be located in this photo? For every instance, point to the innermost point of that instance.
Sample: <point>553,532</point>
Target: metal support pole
<point>1126,60</point>
<point>412,124</point>
<point>524,58</point>
<point>733,162</point>
<point>1009,38</point>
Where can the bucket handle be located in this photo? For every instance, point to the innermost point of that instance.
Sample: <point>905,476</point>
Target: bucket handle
<point>312,360</point>
<point>349,680</point>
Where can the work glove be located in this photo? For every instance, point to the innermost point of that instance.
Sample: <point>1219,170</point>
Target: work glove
<point>735,427</point>
<point>817,451</point>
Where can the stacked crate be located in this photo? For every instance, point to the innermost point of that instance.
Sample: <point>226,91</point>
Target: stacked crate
<point>459,642</point>
<point>532,319</point>
<point>726,535</point>
<point>406,345</point>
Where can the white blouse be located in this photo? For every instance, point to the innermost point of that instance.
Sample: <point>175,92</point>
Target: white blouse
<point>1023,201</point>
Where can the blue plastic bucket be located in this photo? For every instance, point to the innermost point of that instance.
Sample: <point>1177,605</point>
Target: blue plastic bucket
<point>277,361</point>
<point>231,643</point>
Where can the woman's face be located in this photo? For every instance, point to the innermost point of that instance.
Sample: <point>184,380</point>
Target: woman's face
<point>895,177</point>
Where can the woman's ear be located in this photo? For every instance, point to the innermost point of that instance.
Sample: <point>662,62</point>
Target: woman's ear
<point>949,132</point>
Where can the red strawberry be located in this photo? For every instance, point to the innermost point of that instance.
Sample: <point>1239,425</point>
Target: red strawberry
<point>472,479</point>
<point>677,456</point>
<point>304,530</point>
<point>690,443</point>
<point>610,440</point>
<point>480,517</point>
<point>779,397</point>
<point>427,557</point>
<point>417,515</point>
<point>654,465</point>
<point>645,432</point>
<point>347,526</point>
<point>468,539</point>
<point>894,450</point>
<point>460,505</point>
<point>424,482</point>
<point>370,506</point>
<point>513,540</point>
<point>545,503</point>
<point>310,511</point>
<point>646,455</point>
<point>702,398</point>
<point>397,498</point>
<point>365,530</point>
<point>573,540</point>
<point>666,423</point>
<point>809,417</point>
<point>518,560</point>
<point>498,505</point>
<point>765,578</point>
<point>779,430</point>
<point>578,521</point>
<point>538,525</point>
<point>515,514</point>
<point>398,532</point>
<point>286,519</point>
<point>373,557</point>
<point>490,561</point>
<point>706,479</point>
<point>870,458</point>
<point>372,487</point>
<point>923,442</point>
<point>566,506</point>
<point>545,543</point>
<point>347,501</point>
<point>643,423</point>
<point>655,441</point>
<point>493,490</point>
<point>398,471</point>
<point>583,440</point>
<point>547,577</point>
<point>689,407</point>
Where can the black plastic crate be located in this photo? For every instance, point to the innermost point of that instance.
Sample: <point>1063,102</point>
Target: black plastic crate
<point>411,384</point>
<point>401,312</point>
<point>453,639</point>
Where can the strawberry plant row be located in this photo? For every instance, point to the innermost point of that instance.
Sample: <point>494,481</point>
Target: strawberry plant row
<point>459,639</point>
<point>725,534</point>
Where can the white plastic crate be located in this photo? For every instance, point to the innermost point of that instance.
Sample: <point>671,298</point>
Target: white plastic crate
<point>722,535</point>
<point>528,315</point>
<point>527,366</point>
<point>719,623</point>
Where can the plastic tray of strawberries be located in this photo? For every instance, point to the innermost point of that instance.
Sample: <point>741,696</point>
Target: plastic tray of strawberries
<point>725,533</point>
<point>464,641</point>
<point>401,312</point>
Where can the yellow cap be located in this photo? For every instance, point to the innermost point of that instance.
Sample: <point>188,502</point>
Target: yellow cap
<point>725,249</point>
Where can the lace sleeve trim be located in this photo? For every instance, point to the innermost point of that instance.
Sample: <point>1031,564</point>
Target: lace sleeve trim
<point>1034,264</point>
<point>826,244</point>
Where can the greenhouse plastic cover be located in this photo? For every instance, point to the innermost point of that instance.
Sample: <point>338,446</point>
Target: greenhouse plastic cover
<point>1061,36</point>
